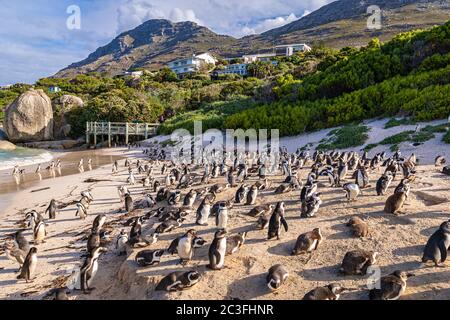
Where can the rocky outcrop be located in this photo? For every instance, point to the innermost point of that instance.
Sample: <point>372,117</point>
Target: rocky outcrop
<point>54,145</point>
<point>62,106</point>
<point>29,117</point>
<point>6,146</point>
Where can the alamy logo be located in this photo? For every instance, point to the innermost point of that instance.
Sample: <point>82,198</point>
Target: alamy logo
<point>74,20</point>
<point>374,20</point>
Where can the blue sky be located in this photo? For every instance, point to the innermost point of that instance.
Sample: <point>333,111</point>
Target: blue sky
<point>35,41</point>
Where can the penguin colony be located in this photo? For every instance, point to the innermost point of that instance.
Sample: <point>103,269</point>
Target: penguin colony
<point>173,193</point>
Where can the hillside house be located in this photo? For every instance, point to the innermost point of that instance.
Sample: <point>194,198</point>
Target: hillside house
<point>239,68</point>
<point>192,64</point>
<point>288,50</point>
<point>54,89</point>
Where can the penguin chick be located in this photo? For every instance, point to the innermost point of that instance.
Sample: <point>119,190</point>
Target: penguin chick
<point>358,227</point>
<point>395,202</point>
<point>391,287</point>
<point>356,262</point>
<point>307,242</point>
<point>330,292</point>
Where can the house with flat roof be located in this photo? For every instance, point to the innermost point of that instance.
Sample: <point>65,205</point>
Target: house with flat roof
<point>250,58</point>
<point>192,64</point>
<point>288,50</point>
<point>238,68</point>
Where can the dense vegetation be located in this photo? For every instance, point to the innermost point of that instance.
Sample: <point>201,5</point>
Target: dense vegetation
<point>345,137</point>
<point>407,76</point>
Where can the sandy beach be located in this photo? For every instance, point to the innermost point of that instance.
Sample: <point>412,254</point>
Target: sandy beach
<point>399,241</point>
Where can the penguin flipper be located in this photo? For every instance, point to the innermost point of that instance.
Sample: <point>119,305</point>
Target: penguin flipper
<point>443,250</point>
<point>173,246</point>
<point>285,225</point>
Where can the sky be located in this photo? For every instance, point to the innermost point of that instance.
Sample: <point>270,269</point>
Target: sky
<point>40,37</point>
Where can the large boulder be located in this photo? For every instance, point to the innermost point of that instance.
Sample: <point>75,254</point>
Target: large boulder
<point>29,117</point>
<point>6,146</point>
<point>62,106</point>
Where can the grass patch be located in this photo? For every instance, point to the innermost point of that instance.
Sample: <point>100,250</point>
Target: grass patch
<point>442,128</point>
<point>446,137</point>
<point>370,146</point>
<point>345,137</point>
<point>393,122</point>
<point>166,143</point>
<point>397,138</point>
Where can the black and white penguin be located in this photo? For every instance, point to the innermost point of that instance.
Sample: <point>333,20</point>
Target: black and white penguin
<point>241,194</point>
<point>330,292</point>
<point>307,242</point>
<point>222,217</point>
<point>276,222</point>
<point>308,190</point>
<point>99,221</point>
<point>28,269</point>
<point>149,257</point>
<point>356,262</point>
<point>352,191</point>
<point>217,250</point>
<point>89,269</point>
<point>51,209</point>
<point>88,195</point>
<point>33,218</point>
<point>169,225</point>
<point>122,191</point>
<point>184,246</point>
<point>263,221</point>
<point>391,287</point>
<point>190,198</point>
<point>436,248</point>
<point>81,211</point>
<point>235,242</point>
<point>39,232</point>
<point>129,207</point>
<point>261,210</point>
<point>15,250</point>
<point>174,198</point>
<point>383,183</point>
<point>276,277</point>
<point>121,243</point>
<point>311,206</point>
<point>439,161</point>
<point>361,177</point>
<point>203,212</point>
<point>178,280</point>
<point>252,195</point>
<point>231,179</point>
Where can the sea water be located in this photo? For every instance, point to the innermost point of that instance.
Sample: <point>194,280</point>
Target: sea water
<point>22,157</point>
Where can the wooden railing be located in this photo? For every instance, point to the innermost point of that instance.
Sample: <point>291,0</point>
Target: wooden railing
<point>119,129</point>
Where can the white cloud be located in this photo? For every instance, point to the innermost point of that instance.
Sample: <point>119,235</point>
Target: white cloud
<point>134,12</point>
<point>269,24</point>
<point>178,15</point>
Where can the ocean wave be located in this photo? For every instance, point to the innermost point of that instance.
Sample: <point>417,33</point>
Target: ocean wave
<point>23,157</point>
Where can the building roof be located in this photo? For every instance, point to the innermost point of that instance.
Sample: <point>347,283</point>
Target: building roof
<point>291,45</point>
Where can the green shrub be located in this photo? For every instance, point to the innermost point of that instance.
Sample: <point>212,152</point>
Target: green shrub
<point>346,137</point>
<point>393,122</point>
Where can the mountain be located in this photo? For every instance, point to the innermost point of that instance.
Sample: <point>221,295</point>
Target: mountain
<point>338,24</point>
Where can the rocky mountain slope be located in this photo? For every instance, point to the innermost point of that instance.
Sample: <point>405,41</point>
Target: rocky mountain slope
<point>338,24</point>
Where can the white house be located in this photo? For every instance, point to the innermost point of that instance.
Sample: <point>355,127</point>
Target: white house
<point>191,64</point>
<point>54,89</point>
<point>289,49</point>
<point>250,58</point>
<point>239,68</point>
<point>134,74</point>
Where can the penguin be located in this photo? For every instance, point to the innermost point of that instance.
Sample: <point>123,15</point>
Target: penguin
<point>361,177</point>
<point>231,179</point>
<point>136,229</point>
<point>311,206</point>
<point>222,217</point>
<point>29,266</point>
<point>14,253</point>
<point>60,294</point>
<point>39,233</point>
<point>89,269</point>
<point>276,277</point>
<point>330,292</point>
<point>439,161</point>
<point>235,242</point>
<point>203,212</point>
<point>149,257</point>
<point>131,179</point>
<point>404,186</point>
<point>263,221</point>
<point>356,262</point>
<point>128,203</point>
<point>252,195</point>
<point>277,220</point>
<point>179,280</point>
<point>115,168</point>
<point>33,217</point>
<point>395,202</point>
<point>308,190</point>
<point>38,169</point>
<point>99,221</point>
<point>359,227</point>
<point>123,191</point>
<point>261,210</point>
<point>86,194</point>
<point>93,240</point>
<point>190,198</point>
<point>169,225</point>
<point>437,245</point>
<point>51,209</point>
<point>174,198</point>
<point>184,246</point>
<point>383,183</point>
<point>241,194</point>
<point>391,287</point>
<point>121,243</point>
<point>307,242</point>
<point>81,211</point>
<point>352,191</point>
<point>217,250</point>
